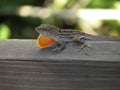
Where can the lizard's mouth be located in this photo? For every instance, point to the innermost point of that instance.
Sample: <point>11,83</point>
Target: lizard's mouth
<point>37,29</point>
<point>44,41</point>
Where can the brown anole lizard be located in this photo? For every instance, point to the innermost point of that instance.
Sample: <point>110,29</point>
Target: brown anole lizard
<point>50,34</point>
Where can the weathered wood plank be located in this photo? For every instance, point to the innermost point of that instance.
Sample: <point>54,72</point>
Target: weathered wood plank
<point>27,50</point>
<point>23,66</point>
<point>20,75</point>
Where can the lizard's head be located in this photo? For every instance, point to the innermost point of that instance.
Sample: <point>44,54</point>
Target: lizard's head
<point>46,29</point>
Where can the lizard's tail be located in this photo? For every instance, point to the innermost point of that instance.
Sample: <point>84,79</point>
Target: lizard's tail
<point>102,38</point>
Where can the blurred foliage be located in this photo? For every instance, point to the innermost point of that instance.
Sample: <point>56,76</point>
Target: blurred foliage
<point>4,31</point>
<point>105,4</point>
<point>14,25</point>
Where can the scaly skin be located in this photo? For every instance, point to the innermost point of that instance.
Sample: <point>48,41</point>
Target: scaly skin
<point>62,36</point>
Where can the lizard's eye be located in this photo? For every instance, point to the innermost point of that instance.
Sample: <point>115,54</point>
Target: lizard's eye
<point>42,29</point>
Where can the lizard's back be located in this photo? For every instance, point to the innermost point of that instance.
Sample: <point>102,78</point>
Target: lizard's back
<point>69,34</point>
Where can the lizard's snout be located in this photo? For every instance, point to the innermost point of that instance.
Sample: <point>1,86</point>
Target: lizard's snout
<point>37,29</point>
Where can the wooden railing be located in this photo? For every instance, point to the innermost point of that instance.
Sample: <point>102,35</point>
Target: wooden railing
<point>23,66</point>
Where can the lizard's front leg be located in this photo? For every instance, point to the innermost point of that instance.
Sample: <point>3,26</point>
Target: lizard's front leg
<point>60,46</point>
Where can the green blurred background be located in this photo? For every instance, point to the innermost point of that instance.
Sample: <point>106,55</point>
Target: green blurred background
<point>18,18</point>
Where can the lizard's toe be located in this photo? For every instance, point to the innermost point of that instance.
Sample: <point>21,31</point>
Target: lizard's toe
<point>82,47</point>
<point>56,50</point>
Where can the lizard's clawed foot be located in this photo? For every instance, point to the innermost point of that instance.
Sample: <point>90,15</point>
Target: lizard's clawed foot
<point>82,47</point>
<point>58,49</point>
<point>60,46</point>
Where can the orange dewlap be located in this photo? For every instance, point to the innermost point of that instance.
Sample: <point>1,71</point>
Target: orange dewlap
<point>44,41</point>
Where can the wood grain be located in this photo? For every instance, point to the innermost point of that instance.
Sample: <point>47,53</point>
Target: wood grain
<point>23,66</point>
